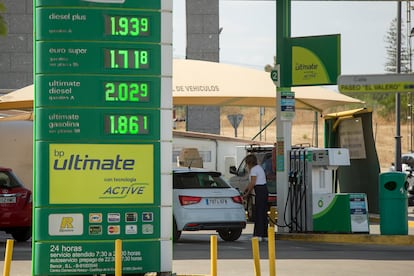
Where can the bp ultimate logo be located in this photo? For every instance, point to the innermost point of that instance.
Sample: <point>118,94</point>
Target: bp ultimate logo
<point>101,174</point>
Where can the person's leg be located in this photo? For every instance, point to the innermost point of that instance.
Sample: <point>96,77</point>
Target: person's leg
<point>260,224</point>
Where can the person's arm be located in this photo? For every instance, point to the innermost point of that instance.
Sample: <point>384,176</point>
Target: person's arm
<point>250,186</point>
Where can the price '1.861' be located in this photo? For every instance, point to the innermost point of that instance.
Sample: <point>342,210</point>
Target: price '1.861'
<point>126,124</point>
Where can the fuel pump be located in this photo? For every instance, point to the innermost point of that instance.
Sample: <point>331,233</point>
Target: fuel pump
<point>297,190</point>
<point>298,186</point>
<point>314,205</point>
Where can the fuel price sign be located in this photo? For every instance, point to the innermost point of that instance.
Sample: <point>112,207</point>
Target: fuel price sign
<point>103,89</point>
<point>122,25</point>
<point>108,124</point>
<point>94,57</point>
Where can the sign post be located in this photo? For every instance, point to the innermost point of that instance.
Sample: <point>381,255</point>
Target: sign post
<point>235,120</point>
<point>283,127</point>
<point>303,61</point>
<point>103,107</point>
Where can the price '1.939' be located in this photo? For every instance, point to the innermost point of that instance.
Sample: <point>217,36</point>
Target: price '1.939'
<point>127,26</point>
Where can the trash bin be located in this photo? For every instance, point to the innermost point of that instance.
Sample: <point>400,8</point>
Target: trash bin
<point>393,204</point>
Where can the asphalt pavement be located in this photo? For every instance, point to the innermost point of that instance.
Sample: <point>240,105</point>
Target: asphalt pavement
<point>315,254</point>
<point>296,254</point>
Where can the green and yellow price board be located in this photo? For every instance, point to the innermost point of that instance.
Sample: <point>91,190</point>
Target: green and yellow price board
<point>103,78</point>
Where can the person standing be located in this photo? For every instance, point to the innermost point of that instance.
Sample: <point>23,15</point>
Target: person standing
<point>257,181</point>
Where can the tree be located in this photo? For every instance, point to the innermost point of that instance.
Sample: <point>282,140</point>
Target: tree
<point>3,25</point>
<point>385,102</point>
<point>391,50</point>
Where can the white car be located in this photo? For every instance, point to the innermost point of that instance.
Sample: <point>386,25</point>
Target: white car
<point>203,200</point>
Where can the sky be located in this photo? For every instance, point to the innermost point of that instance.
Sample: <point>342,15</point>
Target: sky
<point>249,30</point>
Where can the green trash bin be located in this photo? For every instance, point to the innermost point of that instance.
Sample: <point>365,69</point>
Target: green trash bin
<point>393,205</point>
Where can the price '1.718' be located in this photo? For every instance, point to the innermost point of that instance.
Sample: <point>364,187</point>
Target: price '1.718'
<point>126,59</point>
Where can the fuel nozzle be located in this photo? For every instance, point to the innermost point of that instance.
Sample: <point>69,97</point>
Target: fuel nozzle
<point>293,177</point>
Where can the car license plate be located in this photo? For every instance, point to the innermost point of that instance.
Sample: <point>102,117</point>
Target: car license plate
<point>10,199</point>
<point>216,201</point>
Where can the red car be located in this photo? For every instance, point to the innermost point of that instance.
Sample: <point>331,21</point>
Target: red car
<point>15,206</point>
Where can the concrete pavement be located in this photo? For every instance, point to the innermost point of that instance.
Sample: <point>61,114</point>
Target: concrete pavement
<point>374,236</point>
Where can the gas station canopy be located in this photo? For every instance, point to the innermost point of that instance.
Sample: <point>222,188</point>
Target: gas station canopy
<point>209,83</point>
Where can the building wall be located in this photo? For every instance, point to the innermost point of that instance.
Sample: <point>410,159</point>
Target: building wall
<point>202,30</point>
<point>16,49</point>
<point>203,44</point>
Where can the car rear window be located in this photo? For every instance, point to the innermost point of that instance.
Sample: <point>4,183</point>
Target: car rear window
<point>409,160</point>
<point>197,180</point>
<point>8,182</point>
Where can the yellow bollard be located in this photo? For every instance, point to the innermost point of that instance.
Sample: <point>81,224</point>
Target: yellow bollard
<point>213,255</point>
<point>272,215</point>
<point>118,257</point>
<point>8,257</point>
<point>256,256</point>
<point>271,248</point>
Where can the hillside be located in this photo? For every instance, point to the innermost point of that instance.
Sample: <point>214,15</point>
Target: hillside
<point>303,130</point>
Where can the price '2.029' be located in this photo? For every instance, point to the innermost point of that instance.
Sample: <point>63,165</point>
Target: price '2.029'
<point>127,92</point>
